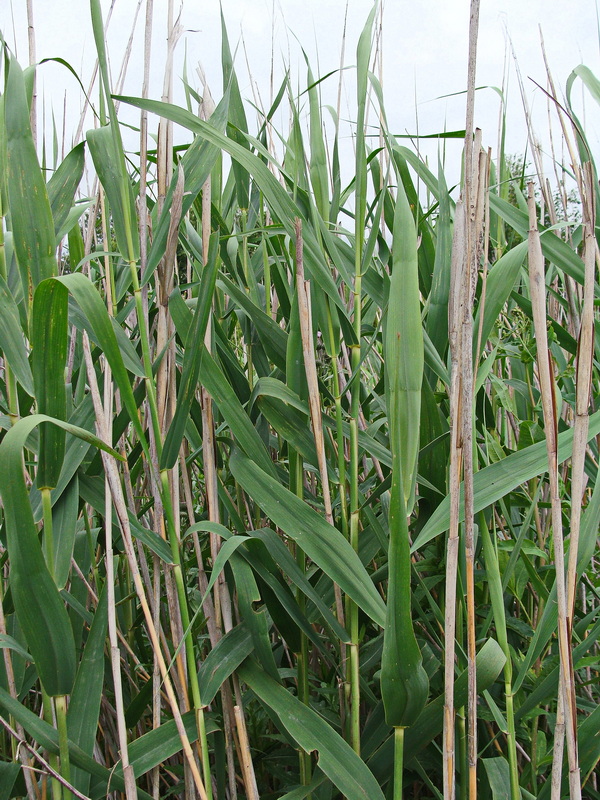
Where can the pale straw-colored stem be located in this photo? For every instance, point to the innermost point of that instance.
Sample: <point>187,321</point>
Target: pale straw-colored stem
<point>546,381</point>
<point>120,507</point>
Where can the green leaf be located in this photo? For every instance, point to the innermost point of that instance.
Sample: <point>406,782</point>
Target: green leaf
<point>223,660</point>
<point>500,282</point>
<point>498,775</point>
<point>339,762</point>
<point>39,607</point>
<point>12,341</point>
<point>30,215</point>
<point>64,523</point>
<point>63,185</point>
<point>84,705</point>
<point>191,359</point>
<point>321,542</point>
<point>282,206</point>
<point>47,737</point>
<point>553,248</point>
<point>498,479</point>
<point>113,177</point>
<point>49,341</point>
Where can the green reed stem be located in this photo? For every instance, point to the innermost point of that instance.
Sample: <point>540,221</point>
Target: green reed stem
<point>398,761</point>
<point>48,530</point>
<point>60,706</point>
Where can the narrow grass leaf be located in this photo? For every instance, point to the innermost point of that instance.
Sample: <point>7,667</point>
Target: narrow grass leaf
<point>321,542</point>
<point>12,341</point>
<point>63,184</point>
<point>339,762</point>
<point>47,737</point>
<point>498,479</point>
<point>192,358</point>
<point>84,705</point>
<point>223,660</point>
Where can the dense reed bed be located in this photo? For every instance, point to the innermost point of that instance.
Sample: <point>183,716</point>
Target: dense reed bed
<point>298,475</point>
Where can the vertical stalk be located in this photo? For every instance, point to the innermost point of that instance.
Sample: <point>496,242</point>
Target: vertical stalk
<point>464,272</point>
<point>546,379</point>
<point>363,54</point>
<point>398,761</point>
<point>60,707</point>
<point>116,490</point>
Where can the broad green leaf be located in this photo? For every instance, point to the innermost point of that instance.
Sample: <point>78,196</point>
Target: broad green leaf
<point>64,523</point>
<point>108,154</point>
<point>498,775</point>
<point>223,660</point>
<point>91,304</point>
<point>437,314</point>
<point>113,177</point>
<point>41,612</point>
<point>245,433</point>
<point>49,342</point>
<point>281,204</point>
<point>273,338</point>
<point>403,350</point>
<point>553,248</point>
<point>272,551</point>
<point>63,184</point>
<point>9,643</point>
<point>9,772</point>
<point>30,215</point>
<point>336,758</point>
<point>500,282</point>
<point>197,163</point>
<point>321,542</point>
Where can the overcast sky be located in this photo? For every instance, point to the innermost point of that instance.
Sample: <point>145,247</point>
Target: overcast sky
<point>424,48</point>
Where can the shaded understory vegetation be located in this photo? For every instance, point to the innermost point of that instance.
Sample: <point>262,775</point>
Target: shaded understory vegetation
<point>298,474</point>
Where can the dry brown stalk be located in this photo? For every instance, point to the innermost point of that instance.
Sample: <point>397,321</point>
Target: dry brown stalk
<point>314,397</point>
<point>454,315</point>
<point>120,507</point>
<point>546,381</point>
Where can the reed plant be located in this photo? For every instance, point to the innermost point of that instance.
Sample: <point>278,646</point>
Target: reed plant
<point>298,473</point>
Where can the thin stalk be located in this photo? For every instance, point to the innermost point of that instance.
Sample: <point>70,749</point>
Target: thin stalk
<point>24,744</point>
<point>123,517</point>
<point>497,598</point>
<point>52,757</point>
<point>398,761</point>
<point>46,494</point>
<point>585,353</point>
<point>458,258</point>
<point>60,707</point>
<point>546,380</point>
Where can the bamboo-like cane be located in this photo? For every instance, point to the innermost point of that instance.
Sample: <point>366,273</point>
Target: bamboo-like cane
<point>464,275</point>
<point>458,262</point>
<point>550,414</point>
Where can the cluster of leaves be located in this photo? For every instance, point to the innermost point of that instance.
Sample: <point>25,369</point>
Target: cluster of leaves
<point>260,505</point>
